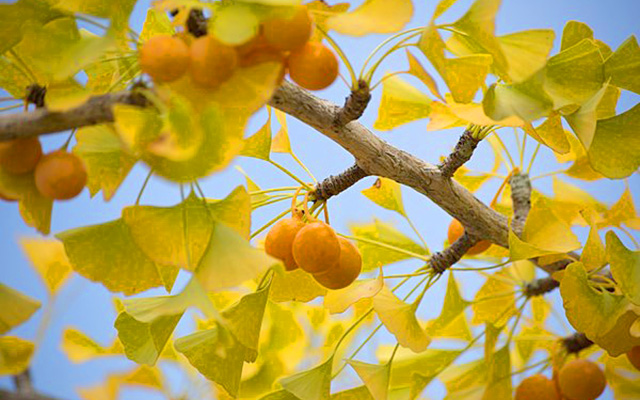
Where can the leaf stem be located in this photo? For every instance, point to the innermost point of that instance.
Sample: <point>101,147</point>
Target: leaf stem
<point>387,246</point>
<point>144,186</point>
<point>343,57</point>
<point>533,157</point>
<point>291,175</point>
<point>506,151</point>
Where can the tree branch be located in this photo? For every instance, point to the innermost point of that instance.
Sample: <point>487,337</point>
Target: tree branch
<point>460,155</point>
<point>354,105</point>
<point>521,199</point>
<point>443,260</point>
<point>336,184</point>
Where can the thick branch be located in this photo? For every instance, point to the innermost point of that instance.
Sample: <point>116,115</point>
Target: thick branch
<point>576,342</point>
<point>336,184</point>
<point>444,259</point>
<point>521,199</point>
<point>96,110</point>
<point>354,105</point>
<point>460,155</point>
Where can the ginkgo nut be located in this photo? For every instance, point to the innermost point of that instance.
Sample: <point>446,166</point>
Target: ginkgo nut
<point>279,241</point>
<point>346,271</point>
<point>316,247</point>
<point>634,357</point>
<point>291,33</point>
<point>536,387</point>
<point>581,380</point>
<point>313,67</point>
<point>60,175</point>
<point>21,155</point>
<point>456,230</point>
<point>164,58</point>
<point>212,62</point>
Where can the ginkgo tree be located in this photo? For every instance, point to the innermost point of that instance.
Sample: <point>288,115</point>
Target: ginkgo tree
<point>178,97</point>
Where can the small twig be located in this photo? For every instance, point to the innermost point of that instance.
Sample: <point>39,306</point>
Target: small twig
<point>521,198</point>
<point>23,383</point>
<point>538,287</point>
<point>576,343</point>
<point>354,105</point>
<point>460,155</point>
<point>442,260</point>
<point>336,184</point>
<point>36,94</point>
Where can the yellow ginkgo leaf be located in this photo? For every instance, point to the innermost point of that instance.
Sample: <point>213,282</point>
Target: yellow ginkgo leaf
<point>553,135</point>
<point>107,253</point>
<point>313,384</point>
<point>526,51</point>
<point>416,69</point>
<point>400,319</point>
<point>615,149</point>
<point>296,285</point>
<point>338,301</point>
<point>466,380</point>
<point>145,376</point>
<point>625,267</point>
<point>441,117</point>
<point>49,259</point>
<point>144,341</point>
<point>235,24</point>
<point>495,302</point>
<point>280,142</point>
<point>622,212</point>
<point>15,355</point>
<point>583,121</point>
<point>499,379</point>
<point>474,113</point>
<point>216,354</point>
<point>386,193</point>
<point>234,211</point>
<point>622,66</point>
<point>321,12</point>
<point>400,103</point>
<point>258,145</point>
<point>15,307</point>
<point>80,348</point>
<point>229,260</point>
<point>593,253</point>
<point>451,323</point>
<point>373,16</point>
<point>156,23</point>
<point>374,376</point>
<point>608,104</point>
<point>573,33</point>
<point>34,207</point>
<point>65,95</point>
<point>526,100</point>
<point>427,364</point>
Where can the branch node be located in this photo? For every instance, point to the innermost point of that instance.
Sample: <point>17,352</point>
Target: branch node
<point>576,343</point>
<point>197,22</point>
<point>538,287</point>
<point>443,260</point>
<point>336,184</point>
<point>460,155</point>
<point>36,94</point>
<point>521,199</point>
<point>354,105</point>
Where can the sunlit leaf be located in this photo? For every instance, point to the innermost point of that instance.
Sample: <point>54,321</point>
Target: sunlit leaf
<point>400,103</point>
<point>107,161</point>
<point>15,355</point>
<point>400,319</point>
<point>34,207</point>
<point>338,301</point>
<point>107,253</point>
<point>495,302</point>
<point>235,24</point>
<point>573,33</point>
<point>16,308</point>
<point>583,120</point>
<point>258,145</point>
<point>375,377</point>
<point>581,167</point>
<point>313,384</point>
<point>216,354</point>
<point>49,259</point>
<point>296,285</point>
<point>12,78</point>
<point>593,254</point>
<point>13,17</point>
<point>615,149</point>
<point>373,16</point>
<point>65,95</point>
<point>229,260</point>
<point>80,348</point>
<point>374,256</point>
<point>465,381</point>
<point>526,100</point>
<point>156,23</point>
<point>526,52</point>
<point>321,12</point>
<point>553,135</point>
<point>386,193</point>
<point>416,69</point>
<point>624,66</point>
<point>625,267</point>
<point>499,386</point>
<point>452,322</point>
<point>608,103</point>
<point>622,212</point>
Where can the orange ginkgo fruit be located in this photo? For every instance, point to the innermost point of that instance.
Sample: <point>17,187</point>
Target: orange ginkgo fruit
<point>537,387</point>
<point>165,58</point>
<point>316,248</point>
<point>212,62</point>
<point>634,357</point>
<point>21,155</point>
<point>455,232</point>
<point>346,271</point>
<point>290,33</point>
<point>60,175</point>
<point>581,380</point>
<point>279,240</point>
<point>313,67</point>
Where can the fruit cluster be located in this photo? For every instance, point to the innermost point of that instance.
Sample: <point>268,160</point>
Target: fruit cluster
<point>576,380</point>
<point>58,175</point>
<point>209,62</point>
<point>333,261</point>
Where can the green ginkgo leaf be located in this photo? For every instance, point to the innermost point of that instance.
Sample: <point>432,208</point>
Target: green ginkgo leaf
<point>623,67</point>
<point>386,193</point>
<point>374,256</point>
<point>375,377</point>
<point>107,161</point>
<point>107,253</point>
<point>313,384</point>
<point>452,322</point>
<point>400,319</point>
<point>16,308</point>
<point>615,149</point>
<point>216,354</point>
<point>144,341</point>
<point>625,267</point>
<point>229,260</point>
<point>373,16</point>
<point>400,103</point>
<point>573,33</point>
<point>15,355</point>
<point>49,260</point>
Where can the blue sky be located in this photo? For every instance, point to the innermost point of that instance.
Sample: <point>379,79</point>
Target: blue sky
<point>87,306</point>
